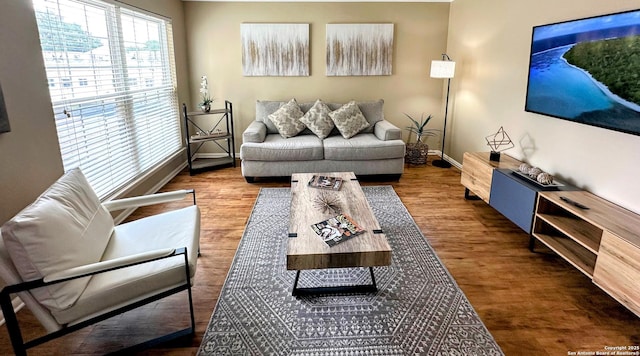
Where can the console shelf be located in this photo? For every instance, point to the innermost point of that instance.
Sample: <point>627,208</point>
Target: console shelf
<point>603,242</point>
<point>574,253</point>
<point>585,234</point>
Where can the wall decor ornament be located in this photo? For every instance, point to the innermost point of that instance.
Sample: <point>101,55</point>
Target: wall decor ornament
<point>275,49</point>
<point>4,118</point>
<point>359,49</point>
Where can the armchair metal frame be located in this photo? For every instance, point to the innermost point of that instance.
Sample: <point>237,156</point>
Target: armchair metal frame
<point>20,347</point>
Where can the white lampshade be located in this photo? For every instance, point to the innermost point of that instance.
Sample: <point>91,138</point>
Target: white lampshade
<point>443,69</point>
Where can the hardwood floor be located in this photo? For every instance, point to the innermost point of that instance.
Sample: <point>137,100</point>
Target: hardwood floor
<point>532,303</point>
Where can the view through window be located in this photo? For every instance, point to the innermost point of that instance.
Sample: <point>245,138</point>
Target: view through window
<point>111,76</point>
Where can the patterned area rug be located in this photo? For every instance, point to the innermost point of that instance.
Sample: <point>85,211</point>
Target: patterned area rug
<point>418,309</point>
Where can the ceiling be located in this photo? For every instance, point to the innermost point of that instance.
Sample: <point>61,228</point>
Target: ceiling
<point>321,0</point>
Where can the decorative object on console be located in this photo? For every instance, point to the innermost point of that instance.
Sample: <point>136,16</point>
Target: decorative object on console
<point>498,140</point>
<point>445,68</point>
<point>205,104</point>
<point>544,178</point>
<point>533,172</point>
<point>417,152</point>
<point>524,168</point>
<point>582,71</point>
<point>359,49</point>
<point>280,50</point>
<point>539,178</point>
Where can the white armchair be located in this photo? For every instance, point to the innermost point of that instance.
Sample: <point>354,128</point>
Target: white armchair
<point>72,267</point>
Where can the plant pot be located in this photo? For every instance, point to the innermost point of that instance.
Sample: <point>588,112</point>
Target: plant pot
<point>206,107</point>
<point>416,153</point>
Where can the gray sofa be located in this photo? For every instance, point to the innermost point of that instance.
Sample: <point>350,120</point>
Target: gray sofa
<point>376,150</point>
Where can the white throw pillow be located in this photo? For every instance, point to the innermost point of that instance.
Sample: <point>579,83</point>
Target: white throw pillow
<point>349,119</point>
<point>317,119</point>
<point>287,119</point>
<point>65,227</point>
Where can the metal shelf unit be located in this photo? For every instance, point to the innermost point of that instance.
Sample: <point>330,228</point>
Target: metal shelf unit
<point>221,129</point>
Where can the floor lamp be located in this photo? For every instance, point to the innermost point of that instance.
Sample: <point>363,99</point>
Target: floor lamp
<point>443,69</point>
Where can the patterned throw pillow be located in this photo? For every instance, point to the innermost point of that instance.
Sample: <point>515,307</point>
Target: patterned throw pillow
<point>349,119</point>
<point>317,119</point>
<point>287,119</point>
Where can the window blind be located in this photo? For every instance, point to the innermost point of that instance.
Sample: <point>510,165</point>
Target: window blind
<point>111,77</point>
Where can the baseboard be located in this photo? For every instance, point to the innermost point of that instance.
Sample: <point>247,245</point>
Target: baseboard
<point>211,155</point>
<point>447,158</point>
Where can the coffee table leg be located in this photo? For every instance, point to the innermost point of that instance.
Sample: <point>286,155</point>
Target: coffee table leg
<point>366,288</point>
<point>373,279</point>
<point>295,283</point>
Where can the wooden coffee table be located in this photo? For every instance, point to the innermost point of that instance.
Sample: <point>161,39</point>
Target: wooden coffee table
<point>306,250</point>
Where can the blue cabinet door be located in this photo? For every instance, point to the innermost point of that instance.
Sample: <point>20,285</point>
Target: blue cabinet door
<point>514,198</point>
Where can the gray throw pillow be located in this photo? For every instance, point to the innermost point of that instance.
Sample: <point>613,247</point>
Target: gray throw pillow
<point>349,119</point>
<point>287,119</point>
<point>317,119</point>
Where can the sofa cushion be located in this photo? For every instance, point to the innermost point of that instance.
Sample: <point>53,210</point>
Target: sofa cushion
<point>317,119</point>
<point>364,146</point>
<point>287,119</point>
<point>349,119</point>
<point>276,148</point>
<point>372,111</point>
<point>65,227</point>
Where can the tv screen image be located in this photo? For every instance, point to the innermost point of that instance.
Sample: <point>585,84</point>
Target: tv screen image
<point>588,71</point>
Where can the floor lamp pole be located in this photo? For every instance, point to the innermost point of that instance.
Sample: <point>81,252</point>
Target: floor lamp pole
<point>441,162</point>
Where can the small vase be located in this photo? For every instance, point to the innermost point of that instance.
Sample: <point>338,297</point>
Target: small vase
<point>206,107</point>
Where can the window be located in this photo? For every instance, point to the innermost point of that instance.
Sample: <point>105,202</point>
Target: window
<point>108,125</point>
<point>66,82</point>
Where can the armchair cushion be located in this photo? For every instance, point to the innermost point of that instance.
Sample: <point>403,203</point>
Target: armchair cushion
<point>107,291</point>
<point>65,227</point>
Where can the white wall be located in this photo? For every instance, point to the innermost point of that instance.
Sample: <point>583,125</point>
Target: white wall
<point>490,41</point>
<point>29,154</point>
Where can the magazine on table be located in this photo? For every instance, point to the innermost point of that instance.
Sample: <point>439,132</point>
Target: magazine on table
<point>325,182</point>
<point>337,229</point>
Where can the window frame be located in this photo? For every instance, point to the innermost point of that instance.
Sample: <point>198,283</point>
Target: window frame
<point>132,101</point>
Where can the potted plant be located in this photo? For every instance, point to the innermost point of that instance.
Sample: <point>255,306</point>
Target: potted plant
<point>205,104</point>
<point>417,152</point>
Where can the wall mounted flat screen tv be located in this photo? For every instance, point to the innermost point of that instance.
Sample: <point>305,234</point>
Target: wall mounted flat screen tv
<point>588,71</point>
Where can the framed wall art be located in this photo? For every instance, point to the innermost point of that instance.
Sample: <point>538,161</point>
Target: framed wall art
<point>275,49</point>
<point>359,49</point>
